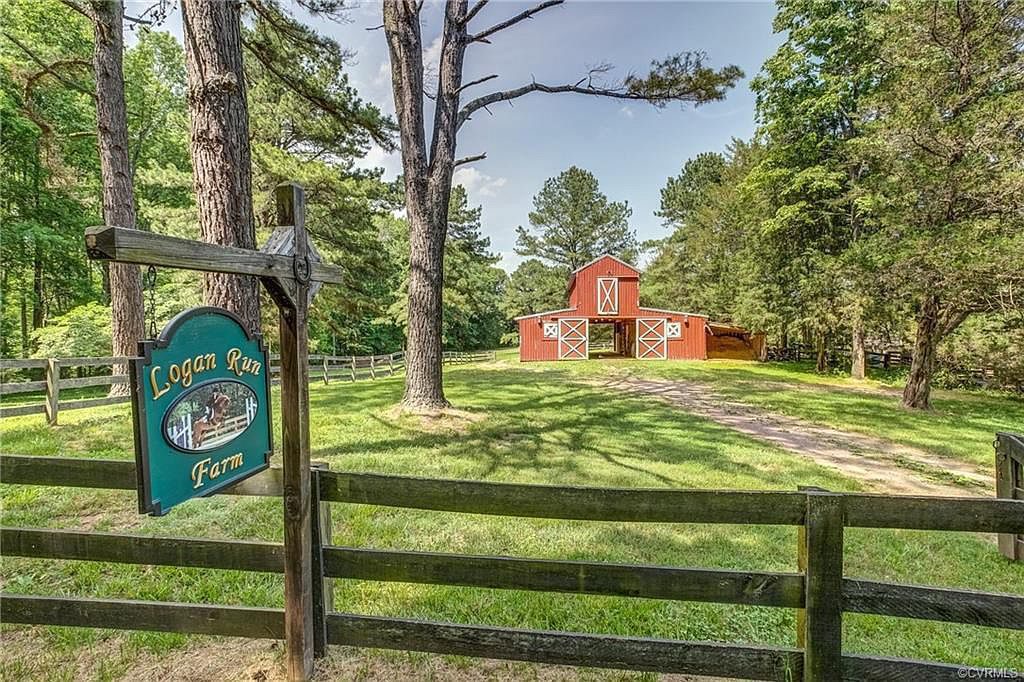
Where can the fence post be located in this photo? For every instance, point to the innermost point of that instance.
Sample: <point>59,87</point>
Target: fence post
<point>353,364</point>
<point>326,379</point>
<point>1008,479</point>
<point>391,364</point>
<point>373,372</point>
<point>820,558</point>
<point>322,532</point>
<point>52,390</point>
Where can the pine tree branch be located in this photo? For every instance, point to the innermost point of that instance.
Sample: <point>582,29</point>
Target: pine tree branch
<point>470,159</point>
<point>482,36</point>
<point>71,4</point>
<point>51,69</point>
<point>508,95</point>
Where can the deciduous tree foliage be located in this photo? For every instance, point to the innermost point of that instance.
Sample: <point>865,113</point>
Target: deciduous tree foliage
<point>534,287</point>
<point>809,96</point>
<point>882,194</point>
<point>947,135</point>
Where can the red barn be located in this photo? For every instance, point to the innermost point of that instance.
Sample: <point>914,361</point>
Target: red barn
<point>607,291</point>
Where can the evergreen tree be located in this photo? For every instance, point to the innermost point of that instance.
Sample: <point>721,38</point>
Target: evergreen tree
<point>572,223</point>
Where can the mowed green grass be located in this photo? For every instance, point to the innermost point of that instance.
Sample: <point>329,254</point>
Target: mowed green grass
<point>962,424</point>
<point>529,424</point>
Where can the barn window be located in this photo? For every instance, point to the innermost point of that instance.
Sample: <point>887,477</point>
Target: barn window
<point>673,330</point>
<point>550,330</point>
<point>607,296</point>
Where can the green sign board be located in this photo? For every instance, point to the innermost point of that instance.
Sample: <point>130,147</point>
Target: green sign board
<point>201,407</point>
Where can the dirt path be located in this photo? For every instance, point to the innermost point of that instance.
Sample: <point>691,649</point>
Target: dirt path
<point>885,466</point>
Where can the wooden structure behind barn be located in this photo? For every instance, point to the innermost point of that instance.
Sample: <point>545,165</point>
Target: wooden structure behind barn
<point>729,342</point>
<point>606,291</point>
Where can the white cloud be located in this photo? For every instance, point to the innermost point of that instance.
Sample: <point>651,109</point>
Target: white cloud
<point>376,157</point>
<point>627,111</point>
<point>431,65</point>
<point>478,184</point>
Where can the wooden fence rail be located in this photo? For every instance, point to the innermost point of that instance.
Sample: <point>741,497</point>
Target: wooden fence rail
<point>1010,486</point>
<point>322,368</point>
<point>819,590</point>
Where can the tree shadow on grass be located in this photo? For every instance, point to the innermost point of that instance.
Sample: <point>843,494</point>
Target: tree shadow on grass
<point>544,430</point>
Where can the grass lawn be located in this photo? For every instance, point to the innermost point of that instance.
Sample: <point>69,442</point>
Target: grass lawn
<point>962,424</point>
<point>527,426</point>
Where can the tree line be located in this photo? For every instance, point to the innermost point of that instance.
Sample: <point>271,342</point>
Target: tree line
<point>190,140</point>
<point>881,198</point>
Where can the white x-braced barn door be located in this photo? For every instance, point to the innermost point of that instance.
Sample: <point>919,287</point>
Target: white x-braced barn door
<point>651,338</point>
<point>573,339</point>
<point>607,296</point>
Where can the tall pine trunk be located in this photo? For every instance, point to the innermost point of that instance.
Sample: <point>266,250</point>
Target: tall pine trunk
<point>857,354</point>
<point>917,392</point>
<point>219,137</point>
<point>423,383</point>
<point>115,168</point>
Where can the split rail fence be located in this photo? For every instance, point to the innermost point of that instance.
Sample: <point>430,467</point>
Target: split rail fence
<point>819,589</point>
<point>56,373</point>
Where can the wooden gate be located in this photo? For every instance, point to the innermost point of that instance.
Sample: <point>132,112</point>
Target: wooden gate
<point>651,338</point>
<point>573,339</point>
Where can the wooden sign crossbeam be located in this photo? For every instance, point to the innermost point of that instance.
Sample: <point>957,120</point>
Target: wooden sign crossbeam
<point>290,268</point>
<point>124,245</point>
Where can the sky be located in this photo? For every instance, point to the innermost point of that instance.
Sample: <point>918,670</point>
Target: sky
<point>631,147</point>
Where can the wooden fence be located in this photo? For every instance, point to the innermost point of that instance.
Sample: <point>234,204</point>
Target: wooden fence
<point>879,360</point>
<point>1010,486</point>
<point>819,590</point>
<point>965,375</point>
<point>322,368</point>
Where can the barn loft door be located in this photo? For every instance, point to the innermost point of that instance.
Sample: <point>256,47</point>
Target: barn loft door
<point>651,341</point>
<point>573,339</point>
<point>607,295</point>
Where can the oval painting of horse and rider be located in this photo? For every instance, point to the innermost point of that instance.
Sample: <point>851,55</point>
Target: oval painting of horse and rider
<point>209,415</point>
<point>201,408</point>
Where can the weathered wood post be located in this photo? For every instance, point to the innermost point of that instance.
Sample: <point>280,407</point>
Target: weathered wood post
<point>290,269</point>
<point>323,588</point>
<point>820,558</point>
<point>298,575</point>
<point>352,366</point>
<point>373,372</point>
<point>52,390</point>
<point>1010,485</point>
<point>326,378</point>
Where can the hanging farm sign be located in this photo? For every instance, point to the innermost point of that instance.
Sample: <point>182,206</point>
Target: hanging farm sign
<point>201,408</point>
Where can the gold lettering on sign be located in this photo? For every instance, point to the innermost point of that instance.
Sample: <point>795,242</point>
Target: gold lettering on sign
<point>182,373</point>
<point>204,469</point>
<point>157,391</point>
<point>241,364</point>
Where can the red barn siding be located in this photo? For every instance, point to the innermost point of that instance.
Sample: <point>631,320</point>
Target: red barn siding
<point>583,287</point>
<point>532,344</point>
